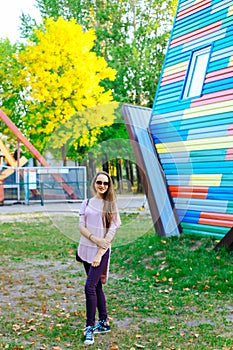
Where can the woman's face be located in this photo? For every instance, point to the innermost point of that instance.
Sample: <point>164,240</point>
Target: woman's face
<point>101,184</point>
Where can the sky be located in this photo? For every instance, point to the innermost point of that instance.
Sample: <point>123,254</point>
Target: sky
<point>10,13</point>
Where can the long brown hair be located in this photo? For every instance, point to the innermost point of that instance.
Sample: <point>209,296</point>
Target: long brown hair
<point>109,197</point>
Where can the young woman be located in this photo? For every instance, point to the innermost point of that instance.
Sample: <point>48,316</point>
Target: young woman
<point>99,220</point>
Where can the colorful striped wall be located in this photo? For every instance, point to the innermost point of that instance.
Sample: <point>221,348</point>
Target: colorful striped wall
<point>194,136</point>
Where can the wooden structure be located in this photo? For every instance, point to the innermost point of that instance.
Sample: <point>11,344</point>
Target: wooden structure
<point>192,119</point>
<point>35,153</point>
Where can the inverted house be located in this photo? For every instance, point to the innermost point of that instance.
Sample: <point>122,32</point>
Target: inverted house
<point>191,123</point>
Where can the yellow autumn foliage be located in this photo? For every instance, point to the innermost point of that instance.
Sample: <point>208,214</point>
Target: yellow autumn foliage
<point>62,77</point>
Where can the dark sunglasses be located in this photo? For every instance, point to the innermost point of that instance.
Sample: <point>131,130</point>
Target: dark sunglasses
<point>105,183</point>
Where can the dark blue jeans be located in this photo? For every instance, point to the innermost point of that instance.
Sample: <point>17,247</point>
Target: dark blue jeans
<point>95,298</point>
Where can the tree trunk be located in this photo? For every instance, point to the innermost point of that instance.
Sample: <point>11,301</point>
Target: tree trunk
<point>105,165</point>
<point>91,166</point>
<point>63,152</point>
<point>131,172</point>
<point>139,181</point>
<point>119,175</point>
<point>128,178</point>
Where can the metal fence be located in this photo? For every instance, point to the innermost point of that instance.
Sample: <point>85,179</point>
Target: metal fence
<point>42,184</point>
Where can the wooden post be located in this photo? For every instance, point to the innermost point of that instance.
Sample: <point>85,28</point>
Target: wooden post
<point>1,192</point>
<point>226,241</point>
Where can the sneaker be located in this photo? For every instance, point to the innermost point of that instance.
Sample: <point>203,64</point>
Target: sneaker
<point>89,335</point>
<point>102,327</point>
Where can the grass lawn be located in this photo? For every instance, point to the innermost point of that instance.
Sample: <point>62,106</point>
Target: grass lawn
<point>173,293</point>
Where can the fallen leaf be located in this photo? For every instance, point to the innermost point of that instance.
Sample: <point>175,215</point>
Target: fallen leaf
<point>44,307</point>
<point>30,321</point>
<point>15,327</point>
<point>171,307</point>
<point>139,346</point>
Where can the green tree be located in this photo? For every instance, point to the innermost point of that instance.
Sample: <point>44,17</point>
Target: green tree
<point>11,93</point>
<point>131,35</point>
<point>62,76</point>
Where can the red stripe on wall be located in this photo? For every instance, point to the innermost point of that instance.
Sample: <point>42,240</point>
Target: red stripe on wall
<point>188,192</point>
<point>216,219</point>
<point>217,216</point>
<point>171,78</point>
<point>192,9</point>
<point>213,97</point>
<point>230,129</point>
<point>188,195</point>
<point>229,154</point>
<point>219,74</point>
<point>189,188</point>
<point>196,34</point>
<point>214,222</point>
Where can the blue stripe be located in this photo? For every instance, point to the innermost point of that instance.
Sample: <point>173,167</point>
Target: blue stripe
<point>204,13</point>
<point>201,204</point>
<point>222,49</point>
<point>183,124</point>
<point>161,137</point>
<point>185,4</point>
<point>193,157</point>
<point>175,56</point>
<point>203,167</point>
<point>216,119</point>
<point>164,127</point>
<point>189,213</point>
<point>218,64</point>
<point>220,196</point>
<point>208,153</point>
<point>171,107</point>
<point>218,85</point>
<point>223,189</point>
<point>205,40</point>
<point>198,22</point>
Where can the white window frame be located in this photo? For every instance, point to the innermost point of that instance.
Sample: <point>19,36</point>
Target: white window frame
<point>196,73</point>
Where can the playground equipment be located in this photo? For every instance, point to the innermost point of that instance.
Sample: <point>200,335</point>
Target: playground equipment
<point>7,172</point>
<point>11,161</point>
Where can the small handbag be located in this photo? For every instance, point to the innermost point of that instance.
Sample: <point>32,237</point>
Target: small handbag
<point>78,257</point>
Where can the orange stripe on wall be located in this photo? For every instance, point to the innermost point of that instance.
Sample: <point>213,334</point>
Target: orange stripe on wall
<point>188,192</point>
<point>195,189</point>
<point>189,195</point>
<point>213,222</point>
<point>217,216</point>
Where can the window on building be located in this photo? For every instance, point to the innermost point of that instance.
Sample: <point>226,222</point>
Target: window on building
<point>196,73</point>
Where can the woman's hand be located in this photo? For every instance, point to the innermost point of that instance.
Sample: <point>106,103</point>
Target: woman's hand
<point>101,242</point>
<point>97,260</point>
